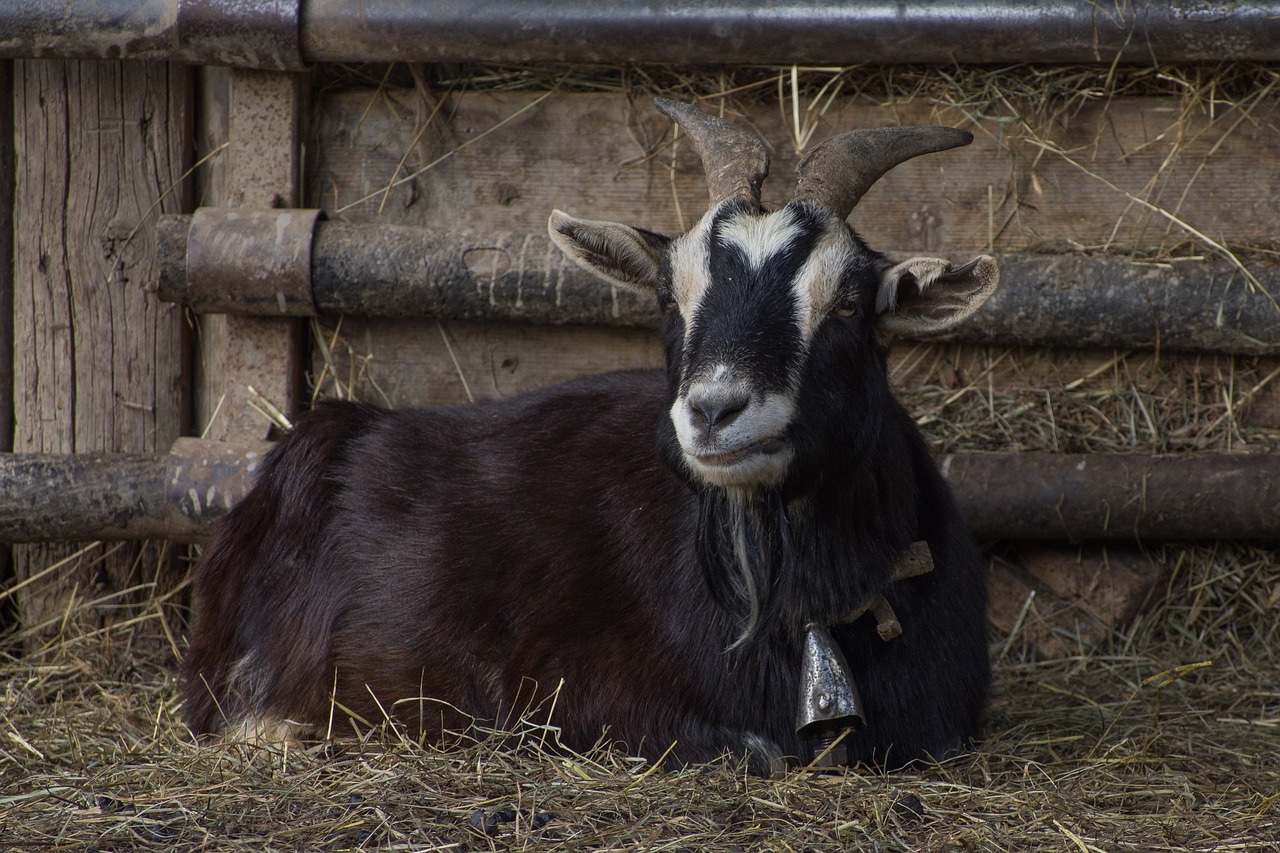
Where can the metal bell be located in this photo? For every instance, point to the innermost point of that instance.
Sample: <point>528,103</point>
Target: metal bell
<point>829,701</point>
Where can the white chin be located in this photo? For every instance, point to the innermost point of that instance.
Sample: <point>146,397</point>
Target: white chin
<point>755,471</point>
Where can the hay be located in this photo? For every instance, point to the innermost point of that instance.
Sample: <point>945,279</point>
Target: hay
<point>1013,398</point>
<point>1161,737</point>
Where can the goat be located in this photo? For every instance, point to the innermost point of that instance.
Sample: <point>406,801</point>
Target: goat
<point>660,557</point>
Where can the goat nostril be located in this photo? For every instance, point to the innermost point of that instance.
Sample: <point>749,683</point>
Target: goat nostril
<point>715,410</point>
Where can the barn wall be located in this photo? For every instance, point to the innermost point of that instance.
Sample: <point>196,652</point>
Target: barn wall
<point>6,264</point>
<point>101,147</point>
<point>6,289</point>
<point>1118,175</point>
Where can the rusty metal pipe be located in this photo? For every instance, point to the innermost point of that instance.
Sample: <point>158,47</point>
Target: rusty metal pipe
<point>242,33</point>
<point>397,271</point>
<point>281,34</point>
<point>180,495</point>
<point>385,271</point>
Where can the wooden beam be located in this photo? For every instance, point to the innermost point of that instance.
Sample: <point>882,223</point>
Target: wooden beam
<point>177,495</point>
<point>6,263</point>
<point>1128,171</point>
<point>101,148</point>
<point>246,359</point>
<point>6,285</point>
<point>215,261</point>
<point>1117,495</point>
<point>498,163</point>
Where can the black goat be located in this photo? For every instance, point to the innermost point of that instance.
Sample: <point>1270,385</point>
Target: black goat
<point>467,563</point>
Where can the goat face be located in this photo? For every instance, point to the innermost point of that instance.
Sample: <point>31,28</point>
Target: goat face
<point>761,307</point>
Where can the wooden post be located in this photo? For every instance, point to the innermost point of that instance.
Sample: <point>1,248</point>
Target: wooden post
<point>101,149</point>
<point>259,114</point>
<point>6,264</point>
<point>6,287</point>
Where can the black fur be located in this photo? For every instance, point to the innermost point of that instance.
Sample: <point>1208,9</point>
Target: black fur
<point>472,561</point>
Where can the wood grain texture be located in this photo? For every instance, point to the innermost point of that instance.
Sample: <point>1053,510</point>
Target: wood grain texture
<point>6,267</point>
<point>257,114</point>
<point>425,363</point>
<point>101,148</point>
<point>603,156</point>
<point>509,161</point>
<point>6,288</point>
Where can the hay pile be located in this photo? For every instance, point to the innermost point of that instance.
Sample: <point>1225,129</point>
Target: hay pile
<point>1163,736</point>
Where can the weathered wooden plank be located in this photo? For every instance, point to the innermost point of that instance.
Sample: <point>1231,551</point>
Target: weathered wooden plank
<point>243,359</point>
<point>415,363</point>
<point>6,266</point>
<point>6,280</point>
<point>585,153</point>
<point>1060,600</point>
<point>101,147</point>
<point>406,363</point>
<point>1194,401</point>
<point>505,160</point>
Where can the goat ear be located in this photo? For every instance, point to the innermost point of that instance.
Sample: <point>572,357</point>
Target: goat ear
<point>620,254</point>
<point>927,295</point>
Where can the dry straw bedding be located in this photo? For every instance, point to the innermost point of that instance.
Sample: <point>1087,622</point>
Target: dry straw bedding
<point>1165,736</point>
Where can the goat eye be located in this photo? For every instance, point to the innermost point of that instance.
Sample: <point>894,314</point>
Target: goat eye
<point>846,306</point>
<point>667,301</point>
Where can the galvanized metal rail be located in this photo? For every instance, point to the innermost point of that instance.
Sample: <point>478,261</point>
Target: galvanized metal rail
<point>289,34</point>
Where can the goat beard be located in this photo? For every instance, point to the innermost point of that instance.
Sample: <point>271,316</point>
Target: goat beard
<point>748,557</point>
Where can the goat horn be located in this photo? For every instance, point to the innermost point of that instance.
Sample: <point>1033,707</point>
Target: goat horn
<point>835,175</point>
<point>735,160</point>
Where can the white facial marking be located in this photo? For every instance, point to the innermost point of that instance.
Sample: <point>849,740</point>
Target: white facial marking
<point>818,281</point>
<point>761,236</point>
<point>750,449</point>
<point>756,236</point>
<point>690,271</point>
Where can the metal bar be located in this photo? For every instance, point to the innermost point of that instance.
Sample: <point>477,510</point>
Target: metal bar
<point>180,495</point>
<point>397,271</point>
<point>1117,496</point>
<point>260,260</point>
<point>278,34</point>
<point>798,31</point>
<point>243,33</point>
<point>1081,301</point>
